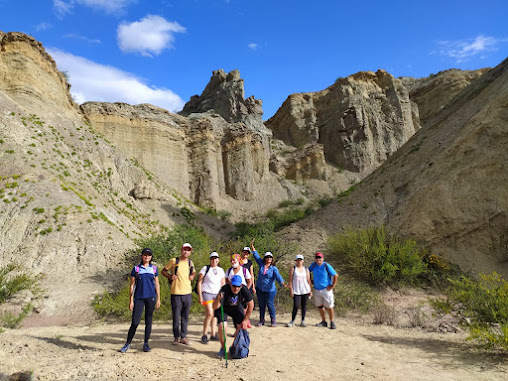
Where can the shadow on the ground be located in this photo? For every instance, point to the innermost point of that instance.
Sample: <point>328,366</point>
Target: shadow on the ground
<point>64,343</point>
<point>444,352</point>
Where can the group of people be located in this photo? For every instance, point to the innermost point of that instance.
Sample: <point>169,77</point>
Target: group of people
<point>227,293</point>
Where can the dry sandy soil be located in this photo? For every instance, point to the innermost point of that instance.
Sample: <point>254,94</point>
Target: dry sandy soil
<point>355,351</point>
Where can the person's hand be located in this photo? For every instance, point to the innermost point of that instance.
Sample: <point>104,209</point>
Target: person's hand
<point>329,288</point>
<point>244,324</point>
<point>174,277</point>
<point>291,292</point>
<point>131,305</point>
<point>310,295</point>
<point>201,301</point>
<point>157,304</point>
<point>254,290</point>
<point>252,245</point>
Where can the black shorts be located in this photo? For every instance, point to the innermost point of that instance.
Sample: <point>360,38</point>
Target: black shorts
<point>237,314</point>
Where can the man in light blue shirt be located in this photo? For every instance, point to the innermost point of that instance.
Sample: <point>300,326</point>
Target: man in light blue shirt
<point>324,280</point>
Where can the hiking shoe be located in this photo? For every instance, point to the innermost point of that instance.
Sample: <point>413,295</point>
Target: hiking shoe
<point>125,348</point>
<point>176,341</point>
<point>273,324</point>
<point>261,323</point>
<point>332,325</point>
<point>322,324</point>
<point>184,340</point>
<point>146,347</point>
<point>214,337</point>
<point>222,353</point>
<point>290,324</point>
<point>204,339</point>
<point>303,324</point>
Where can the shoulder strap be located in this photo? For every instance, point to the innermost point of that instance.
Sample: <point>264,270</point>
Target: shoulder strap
<point>293,277</point>
<point>228,271</point>
<point>191,268</point>
<point>244,273</point>
<point>154,269</point>
<point>206,272</point>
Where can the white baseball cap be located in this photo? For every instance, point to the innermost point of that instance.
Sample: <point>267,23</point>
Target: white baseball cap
<point>268,254</point>
<point>246,248</point>
<point>299,256</point>
<point>214,254</point>
<point>186,245</point>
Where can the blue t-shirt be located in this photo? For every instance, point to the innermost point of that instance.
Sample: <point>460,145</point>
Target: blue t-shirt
<point>145,281</point>
<point>322,278</point>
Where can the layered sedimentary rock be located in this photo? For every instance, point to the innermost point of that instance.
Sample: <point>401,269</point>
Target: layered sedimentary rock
<point>433,93</point>
<point>446,187</point>
<point>305,163</point>
<point>360,120</point>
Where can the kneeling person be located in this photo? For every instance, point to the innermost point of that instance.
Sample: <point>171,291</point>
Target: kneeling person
<point>231,297</point>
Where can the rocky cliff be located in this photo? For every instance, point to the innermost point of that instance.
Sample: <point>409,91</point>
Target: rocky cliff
<point>360,120</point>
<point>446,186</point>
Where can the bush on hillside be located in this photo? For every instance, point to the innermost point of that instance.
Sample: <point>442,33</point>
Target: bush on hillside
<point>379,257</point>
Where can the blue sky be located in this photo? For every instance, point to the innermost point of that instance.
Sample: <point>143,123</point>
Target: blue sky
<point>163,52</point>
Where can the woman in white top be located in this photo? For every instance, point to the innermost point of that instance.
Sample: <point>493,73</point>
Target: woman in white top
<point>210,281</point>
<point>299,286</point>
<point>237,269</point>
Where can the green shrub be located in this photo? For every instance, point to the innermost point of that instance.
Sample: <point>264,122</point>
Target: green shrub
<point>484,304</point>
<point>12,321</point>
<point>354,296</point>
<point>378,257</point>
<point>13,280</point>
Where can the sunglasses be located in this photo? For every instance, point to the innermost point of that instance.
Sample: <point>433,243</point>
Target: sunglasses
<point>186,249</point>
<point>318,257</point>
<point>147,254</point>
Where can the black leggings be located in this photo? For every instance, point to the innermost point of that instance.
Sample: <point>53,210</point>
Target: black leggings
<point>149,306</point>
<point>297,300</point>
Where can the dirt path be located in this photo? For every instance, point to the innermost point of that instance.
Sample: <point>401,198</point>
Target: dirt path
<point>354,351</point>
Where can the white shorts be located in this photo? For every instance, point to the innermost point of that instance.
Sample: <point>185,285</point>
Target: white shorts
<point>324,298</point>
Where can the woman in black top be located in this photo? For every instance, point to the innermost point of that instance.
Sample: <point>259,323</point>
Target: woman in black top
<point>247,263</point>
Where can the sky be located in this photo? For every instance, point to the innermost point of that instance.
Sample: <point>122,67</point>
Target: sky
<point>164,51</point>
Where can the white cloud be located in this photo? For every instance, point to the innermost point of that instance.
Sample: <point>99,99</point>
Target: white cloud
<point>63,7</point>
<point>253,46</point>
<point>83,38</point>
<point>43,26</point>
<point>95,82</point>
<point>150,35</point>
<point>462,50</point>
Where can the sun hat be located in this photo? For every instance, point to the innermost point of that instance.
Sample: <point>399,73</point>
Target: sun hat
<point>214,254</point>
<point>299,256</point>
<point>186,245</point>
<point>246,248</point>
<point>268,254</point>
<point>236,280</point>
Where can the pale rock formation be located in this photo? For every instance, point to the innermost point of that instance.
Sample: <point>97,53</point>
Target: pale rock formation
<point>360,120</point>
<point>433,93</point>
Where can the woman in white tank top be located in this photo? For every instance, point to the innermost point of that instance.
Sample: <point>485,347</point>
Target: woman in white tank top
<point>299,287</point>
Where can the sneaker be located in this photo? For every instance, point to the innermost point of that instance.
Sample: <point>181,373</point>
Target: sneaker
<point>290,324</point>
<point>125,348</point>
<point>176,341</point>
<point>261,323</point>
<point>332,325</point>
<point>184,340</point>
<point>322,324</point>
<point>204,339</point>
<point>303,324</point>
<point>146,347</point>
<point>222,353</point>
<point>274,324</point>
<point>214,337</point>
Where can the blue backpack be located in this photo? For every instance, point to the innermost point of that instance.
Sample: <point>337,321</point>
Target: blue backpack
<point>240,347</point>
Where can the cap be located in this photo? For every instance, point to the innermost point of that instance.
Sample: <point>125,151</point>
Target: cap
<point>236,257</point>
<point>236,280</point>
<point>214,254</point>
<point>318,254</point>
<point>268,254</point>
<point>246,248</point>
<point>147,250</point>
<point>299,256</point>
<point>186,245</point>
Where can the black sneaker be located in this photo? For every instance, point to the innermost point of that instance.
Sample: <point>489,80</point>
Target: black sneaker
<point>322,324</point>
<point>146,347</point>
<point>215,337</point>
<point>332,325</point>
<point>204,339</point>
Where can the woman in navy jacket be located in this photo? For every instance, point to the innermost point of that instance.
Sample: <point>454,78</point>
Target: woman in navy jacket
<point>265,285</point>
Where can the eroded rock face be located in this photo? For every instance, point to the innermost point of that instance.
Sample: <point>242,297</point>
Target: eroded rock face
<point>301,164</point>
<point>30,74</point>
<point>432,94</point>
<point>360,120</point>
